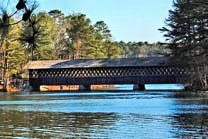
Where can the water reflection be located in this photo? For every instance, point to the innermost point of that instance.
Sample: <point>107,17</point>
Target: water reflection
<point>146,115</point>
<point>191,120</point>
<point>191,125</point>
<point>56,125</point>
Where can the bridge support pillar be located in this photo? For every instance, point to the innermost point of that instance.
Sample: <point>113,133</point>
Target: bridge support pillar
<point>35,88</point>
<point>139,87</point>
<point>33,85</point>
<point>85,87</point>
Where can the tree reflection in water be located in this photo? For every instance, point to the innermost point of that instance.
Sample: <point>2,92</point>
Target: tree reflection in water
<point>56,125</point>
<point>191,120</point>
<point>98,115</point>
<point>191,125</point>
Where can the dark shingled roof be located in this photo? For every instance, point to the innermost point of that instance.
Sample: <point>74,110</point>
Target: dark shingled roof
<point>92,63</point>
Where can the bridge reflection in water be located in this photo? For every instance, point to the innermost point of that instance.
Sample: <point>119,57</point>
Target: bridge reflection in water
<point>86,72</point>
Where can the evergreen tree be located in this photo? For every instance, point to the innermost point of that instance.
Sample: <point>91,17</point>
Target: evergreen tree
<point>187,32</point>
<point>95,44</point>
<point>60,46</point>
<point>107,46</point>
<point>112,49</point>
<point>38,36</point>
<point>7,46</point>
<point>16,57</point>
<point>77,35</point>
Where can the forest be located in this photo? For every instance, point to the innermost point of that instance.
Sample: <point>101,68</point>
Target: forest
<point>53,35</point>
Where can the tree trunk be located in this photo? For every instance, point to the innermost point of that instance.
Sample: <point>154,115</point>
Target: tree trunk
<point>4,75</point>
<point>32,52</point>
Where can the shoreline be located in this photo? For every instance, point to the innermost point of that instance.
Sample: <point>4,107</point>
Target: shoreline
<point>191,94</point>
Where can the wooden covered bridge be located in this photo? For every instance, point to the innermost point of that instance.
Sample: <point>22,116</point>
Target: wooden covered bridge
<point>86,72</point>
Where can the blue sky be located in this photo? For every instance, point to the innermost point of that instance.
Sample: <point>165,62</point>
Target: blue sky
<point>128,20</point>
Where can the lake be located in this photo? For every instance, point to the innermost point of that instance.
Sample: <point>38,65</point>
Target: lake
<point>102,114</point>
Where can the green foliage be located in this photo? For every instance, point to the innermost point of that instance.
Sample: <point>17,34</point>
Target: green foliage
<point>60,44</point>
<point>46,53</point>
<point>187,31</point>
<point>50,36</point>
<point>16,58</point>
<point>124,49</point>
<point>141,49</point>
<point>94,44</point>
<point>74,37</point>
<point>55,13</point>
<point>109,48</point>
<point>187,28</point>
<point>13,51</point>
<point>38,32</point>
<point>103,30</point>
<point>78,33</point>
<point>112,50</point>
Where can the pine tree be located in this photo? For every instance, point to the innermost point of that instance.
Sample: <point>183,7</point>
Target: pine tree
<point>38,36</point>
<point>78,33</point>
<point>7,24</point>
<point>187,32</point>
<point>60,38</point>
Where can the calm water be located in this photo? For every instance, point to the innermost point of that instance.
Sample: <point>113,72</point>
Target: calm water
<point>119,115</point>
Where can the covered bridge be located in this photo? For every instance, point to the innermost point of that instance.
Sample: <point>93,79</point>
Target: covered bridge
<point>86,72</point>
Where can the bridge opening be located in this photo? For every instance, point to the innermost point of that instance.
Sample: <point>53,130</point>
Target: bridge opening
<point>152,87</point>
<point>116,87</point>
<point>77,87</point>
<point>164,87</point>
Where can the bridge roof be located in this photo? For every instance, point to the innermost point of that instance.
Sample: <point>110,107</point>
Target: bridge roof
<point>93,63</point>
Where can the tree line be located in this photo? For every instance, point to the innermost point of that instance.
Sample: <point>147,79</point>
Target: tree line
<point>54,36</point>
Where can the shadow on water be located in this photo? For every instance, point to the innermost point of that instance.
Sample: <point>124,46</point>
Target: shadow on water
<point>56,125</point>
<point>191,118</point>
<point>191,125</point>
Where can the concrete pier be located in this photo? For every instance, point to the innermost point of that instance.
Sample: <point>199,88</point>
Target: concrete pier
<point>139,87</point>
<point>85,87</point>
